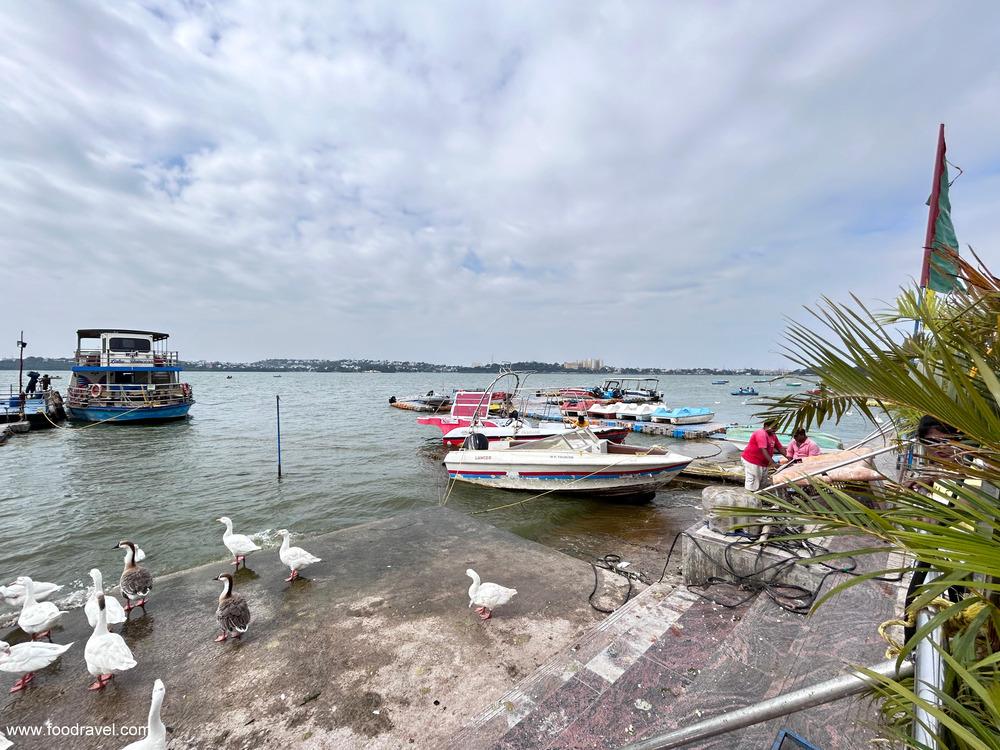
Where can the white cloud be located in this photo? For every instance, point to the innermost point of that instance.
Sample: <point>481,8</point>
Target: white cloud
<point>651,183</point>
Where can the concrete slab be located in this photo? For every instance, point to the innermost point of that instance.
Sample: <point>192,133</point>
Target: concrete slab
<point>709,555</point>
<point>377,649</point>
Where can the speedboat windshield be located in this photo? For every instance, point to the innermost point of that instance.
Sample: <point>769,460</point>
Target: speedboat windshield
<point>574,440</point>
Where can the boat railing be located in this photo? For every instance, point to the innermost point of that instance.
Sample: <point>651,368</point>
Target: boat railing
<point>98,358</point>
<point>129,395</point>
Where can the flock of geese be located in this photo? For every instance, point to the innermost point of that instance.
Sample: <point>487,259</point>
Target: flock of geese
<point>107,653</point>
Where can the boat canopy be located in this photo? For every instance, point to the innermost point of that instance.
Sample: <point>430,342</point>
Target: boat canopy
<point>95,333</point>
<point>582,440</point>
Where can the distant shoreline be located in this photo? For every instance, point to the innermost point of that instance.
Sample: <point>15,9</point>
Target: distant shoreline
<point>381,367</point>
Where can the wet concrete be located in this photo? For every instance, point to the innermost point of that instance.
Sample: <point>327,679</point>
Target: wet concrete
<point>375,648</point>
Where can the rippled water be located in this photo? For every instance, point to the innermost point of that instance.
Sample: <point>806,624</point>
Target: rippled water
<point>70,494</point>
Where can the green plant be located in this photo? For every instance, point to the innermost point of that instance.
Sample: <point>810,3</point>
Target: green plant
<point>948,517</point>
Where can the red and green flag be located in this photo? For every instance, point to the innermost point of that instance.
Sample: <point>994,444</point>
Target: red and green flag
<point>940,268</point>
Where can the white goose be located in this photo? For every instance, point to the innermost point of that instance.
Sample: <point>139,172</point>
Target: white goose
<point>156,733</point>
<point>13,595</point>
<point>488,596</point>
<point>239,544</point>
<point>36,618</point>
<point>114,611</point>
<point>27,658</point>
<point>295,558</point>
<point>106,653</point>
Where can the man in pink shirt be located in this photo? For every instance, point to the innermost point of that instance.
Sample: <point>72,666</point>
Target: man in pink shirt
<point>758,456</point>
<point>801,446</point>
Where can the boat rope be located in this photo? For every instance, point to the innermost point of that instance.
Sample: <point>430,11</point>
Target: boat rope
<point>109,419</point>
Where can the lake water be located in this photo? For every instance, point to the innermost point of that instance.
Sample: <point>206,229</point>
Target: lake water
<point>69,495</point>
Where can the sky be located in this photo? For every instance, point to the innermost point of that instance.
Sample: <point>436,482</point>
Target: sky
<point>654,184</point>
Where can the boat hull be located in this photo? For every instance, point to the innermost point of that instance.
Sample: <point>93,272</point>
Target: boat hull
<point>586,479</point>
<point>145,414</point>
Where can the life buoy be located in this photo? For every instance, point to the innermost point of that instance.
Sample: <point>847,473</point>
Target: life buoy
<point>186,390</point>
<point>96,389</point>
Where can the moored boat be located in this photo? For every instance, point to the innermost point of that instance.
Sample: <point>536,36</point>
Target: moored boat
<point>577,462</point>
<point>683,415</point>
<point>739,435</point>
<point>720,382</point>
<point>131,377</point>
<point>635,390</point>
<point>634,412</point>
<point>470,405</point>
<point>429,402</point>
<point>41,409</point>
<point>524,431</point>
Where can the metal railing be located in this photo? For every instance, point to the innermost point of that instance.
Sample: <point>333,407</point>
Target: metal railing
<point>129,396</point>
<point>98,358</point>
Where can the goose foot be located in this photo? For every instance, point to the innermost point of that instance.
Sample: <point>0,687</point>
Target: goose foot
<point>128,606</point>
<point>485,614</point>
<point>38,636</point>
<point>22,683</point>
<point>221,638</point>
<point>102,682</point>
<point>479,610</point>
<point>293,576</point>
<point>142,603</point>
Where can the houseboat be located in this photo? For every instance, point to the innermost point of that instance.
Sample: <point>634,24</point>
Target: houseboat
<point>129,377</point>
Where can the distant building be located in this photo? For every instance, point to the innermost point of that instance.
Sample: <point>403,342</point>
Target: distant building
<point>584,364</point>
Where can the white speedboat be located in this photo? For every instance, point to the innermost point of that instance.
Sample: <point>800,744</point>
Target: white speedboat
<point>574,462</point>
<point>522,430</point>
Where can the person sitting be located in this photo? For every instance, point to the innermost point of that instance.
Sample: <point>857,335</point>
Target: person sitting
<point>581,421</point>
<point>757,457</point>
<point>801,446</point>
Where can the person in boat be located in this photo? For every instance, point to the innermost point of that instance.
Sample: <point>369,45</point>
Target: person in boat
<point>32,382</point>
<point>801,446</point>
<point>581,421</point>
<point>45,381</point>
<point>758,456</point>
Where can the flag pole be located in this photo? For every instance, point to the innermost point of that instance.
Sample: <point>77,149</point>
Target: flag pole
<point>933,209</point>
<point>928,675</point>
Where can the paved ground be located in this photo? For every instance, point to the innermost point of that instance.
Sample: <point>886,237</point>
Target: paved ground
<point>378,649</point>
<point>670,658</point>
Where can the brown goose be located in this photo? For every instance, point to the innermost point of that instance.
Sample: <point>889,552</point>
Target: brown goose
<point>233,613</point>
<point>136,582</point>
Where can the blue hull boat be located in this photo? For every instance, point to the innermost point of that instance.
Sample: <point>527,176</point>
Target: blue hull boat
<point>123,414</point>
<point>129,377</point>
<point>683,415</point>
<point>744,392</point>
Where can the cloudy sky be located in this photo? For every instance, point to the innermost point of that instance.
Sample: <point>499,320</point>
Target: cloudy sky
<point>651,183</point>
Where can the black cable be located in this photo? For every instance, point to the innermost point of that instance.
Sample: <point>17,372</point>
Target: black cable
<point>610,563</point>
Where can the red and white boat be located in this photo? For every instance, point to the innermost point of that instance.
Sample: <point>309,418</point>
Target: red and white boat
<point>503,425</point>
<point>491,408</point>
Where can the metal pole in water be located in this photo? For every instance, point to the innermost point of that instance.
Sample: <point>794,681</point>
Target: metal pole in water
<point>277,405</point>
